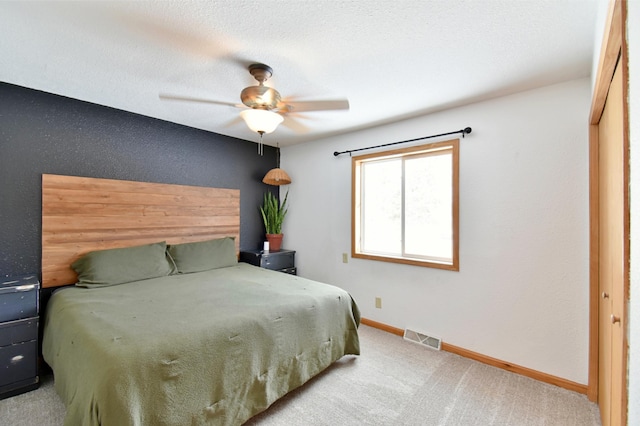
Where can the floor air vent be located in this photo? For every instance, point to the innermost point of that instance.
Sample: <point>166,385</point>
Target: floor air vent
<point>422,339</point>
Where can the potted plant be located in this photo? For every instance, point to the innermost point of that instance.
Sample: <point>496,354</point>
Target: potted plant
<point>273,213</point>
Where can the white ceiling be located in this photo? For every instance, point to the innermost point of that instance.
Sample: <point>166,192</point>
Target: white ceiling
<point>391,59</point>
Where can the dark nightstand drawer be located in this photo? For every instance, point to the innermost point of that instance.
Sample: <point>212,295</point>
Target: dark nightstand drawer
<point>19,298</point>
<point>18,363</point>
<point>275,260</point>
<point>278,260</point>
<point>19,307</point>
<point>19,331</point>
<point>292,271</point>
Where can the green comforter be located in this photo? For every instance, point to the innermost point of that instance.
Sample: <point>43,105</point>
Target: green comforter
<point>213,347</point>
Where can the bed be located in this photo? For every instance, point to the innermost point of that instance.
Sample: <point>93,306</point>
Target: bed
<point>200,339</point>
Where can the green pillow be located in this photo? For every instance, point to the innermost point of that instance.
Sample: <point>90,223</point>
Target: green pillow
<point>103,268</point>
<point>204,255</point>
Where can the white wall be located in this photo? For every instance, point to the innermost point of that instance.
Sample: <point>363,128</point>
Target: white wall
<point>633,39</point>
<point>521,294</point>
<point>601,20</point>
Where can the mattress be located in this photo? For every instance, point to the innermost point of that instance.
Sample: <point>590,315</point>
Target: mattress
<point>213,347</point>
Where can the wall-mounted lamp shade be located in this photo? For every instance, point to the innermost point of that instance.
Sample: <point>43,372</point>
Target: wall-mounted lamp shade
<point>276,176</point>
<point>261,120</point>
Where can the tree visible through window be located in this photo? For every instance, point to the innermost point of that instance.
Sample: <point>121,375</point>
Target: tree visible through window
<point>405,205</point>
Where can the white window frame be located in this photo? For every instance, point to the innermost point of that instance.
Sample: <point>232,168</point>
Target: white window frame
<point>451,146</point>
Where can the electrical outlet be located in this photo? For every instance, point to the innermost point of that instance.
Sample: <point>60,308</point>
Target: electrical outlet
<point>379,302</point>
<point>345,258</point>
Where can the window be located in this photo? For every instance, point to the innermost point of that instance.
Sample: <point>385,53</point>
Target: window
<point>405,206</point>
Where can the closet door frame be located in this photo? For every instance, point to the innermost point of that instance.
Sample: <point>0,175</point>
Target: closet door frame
<point>613,52</point>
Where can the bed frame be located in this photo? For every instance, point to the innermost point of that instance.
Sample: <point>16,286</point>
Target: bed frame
<point>81,214</point>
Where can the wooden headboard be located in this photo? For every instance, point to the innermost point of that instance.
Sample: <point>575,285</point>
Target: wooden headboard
<point>82,214</point>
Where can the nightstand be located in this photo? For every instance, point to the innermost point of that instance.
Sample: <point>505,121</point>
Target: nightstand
<point>282,260</point>
<point>19,306</point>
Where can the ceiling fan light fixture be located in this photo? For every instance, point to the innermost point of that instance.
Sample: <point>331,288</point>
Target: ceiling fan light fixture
<point>276,177</point>
<point>261,120</point>
<point>260,97</point>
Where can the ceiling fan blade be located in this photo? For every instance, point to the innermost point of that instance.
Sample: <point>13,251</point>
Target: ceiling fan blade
<point>201,100</point>
<point>295,125</point>
<point>234,122</point>
<point>300,106</point>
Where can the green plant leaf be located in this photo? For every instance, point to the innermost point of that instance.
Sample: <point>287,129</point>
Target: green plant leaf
<point>273,212</point>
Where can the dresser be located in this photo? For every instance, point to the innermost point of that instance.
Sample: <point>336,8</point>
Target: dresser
<point>19,310</point>
<point>281,260</point>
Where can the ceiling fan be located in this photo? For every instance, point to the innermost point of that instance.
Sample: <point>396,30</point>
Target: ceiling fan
<point>264,106</point>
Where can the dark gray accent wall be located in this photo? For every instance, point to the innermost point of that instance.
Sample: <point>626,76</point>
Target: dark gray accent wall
<point>45,133</point>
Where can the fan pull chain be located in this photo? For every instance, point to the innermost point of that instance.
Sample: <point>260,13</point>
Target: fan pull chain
<point>260,145</point>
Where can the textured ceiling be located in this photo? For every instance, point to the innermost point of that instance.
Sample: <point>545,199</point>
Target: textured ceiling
<point>391,59</point>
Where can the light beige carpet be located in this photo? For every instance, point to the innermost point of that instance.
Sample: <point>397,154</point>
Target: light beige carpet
<point>393,382</point>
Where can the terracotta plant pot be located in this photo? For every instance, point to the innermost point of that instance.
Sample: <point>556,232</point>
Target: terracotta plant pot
<point>275,241</point>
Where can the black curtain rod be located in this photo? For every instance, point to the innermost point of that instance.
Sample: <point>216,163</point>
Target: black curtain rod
<point>464,131</point>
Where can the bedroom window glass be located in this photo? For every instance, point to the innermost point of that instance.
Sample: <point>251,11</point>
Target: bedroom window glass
<point>405,205</point>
